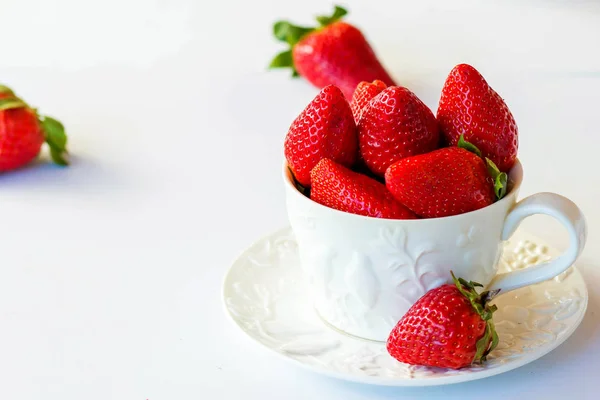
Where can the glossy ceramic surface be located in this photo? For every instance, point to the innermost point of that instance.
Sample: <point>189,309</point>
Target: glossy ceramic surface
<point>266,296</point>
<point>365,273</point>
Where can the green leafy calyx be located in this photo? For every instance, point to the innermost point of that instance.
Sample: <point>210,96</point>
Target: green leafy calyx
<point>10,103</point>
<point>463,144</point>
<point>56,138</point>
<point>500,178</point>
<point>5,90</point>
<point>286,32</point>
<point>480,303</point>
<point>282,60</point>
<point>338,13</point>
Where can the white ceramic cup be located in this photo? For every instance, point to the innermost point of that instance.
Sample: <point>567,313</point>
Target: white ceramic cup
<point>365,272</point>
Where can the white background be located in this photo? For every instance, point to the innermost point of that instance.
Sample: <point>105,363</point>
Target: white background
<point>111,269</point>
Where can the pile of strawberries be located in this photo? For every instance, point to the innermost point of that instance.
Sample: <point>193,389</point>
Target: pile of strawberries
<point>385,154</point>
<point>368,146</point>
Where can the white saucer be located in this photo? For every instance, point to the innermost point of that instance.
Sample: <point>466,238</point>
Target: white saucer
<point>265,295</point>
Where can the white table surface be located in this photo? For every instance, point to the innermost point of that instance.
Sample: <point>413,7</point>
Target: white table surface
<point>111,269</point>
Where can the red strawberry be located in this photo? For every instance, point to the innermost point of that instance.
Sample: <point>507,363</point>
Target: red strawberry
<point>449,327</point>
<point>23,131</point>
<point>325,129</point>
<point>470,107</point>
<point>334,53</point>
<point>363,94</point>
<point>394,125</point>
<point>445,182</point>
<point>338,187</point>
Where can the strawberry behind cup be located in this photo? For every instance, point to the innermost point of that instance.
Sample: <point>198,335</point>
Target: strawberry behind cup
<point>335,53</point>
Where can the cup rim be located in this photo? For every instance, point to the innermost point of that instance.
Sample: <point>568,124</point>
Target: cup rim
<point>515,178</point>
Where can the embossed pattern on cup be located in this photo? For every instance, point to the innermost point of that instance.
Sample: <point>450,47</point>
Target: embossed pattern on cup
<point>365,273</point>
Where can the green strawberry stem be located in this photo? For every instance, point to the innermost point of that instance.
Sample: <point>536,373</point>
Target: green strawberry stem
<point>291,34</point>
<point>500,178</point>
<point>480,303</point>
<point>54,131</point>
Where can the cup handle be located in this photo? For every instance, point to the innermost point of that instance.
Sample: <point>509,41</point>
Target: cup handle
<point>563,210</point>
